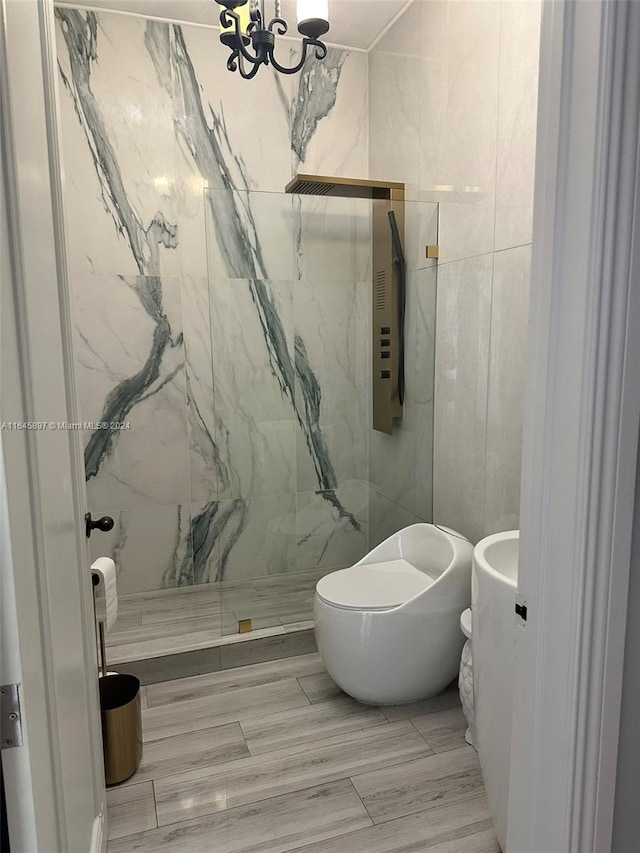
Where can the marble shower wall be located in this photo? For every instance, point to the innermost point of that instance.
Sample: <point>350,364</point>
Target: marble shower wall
<point>453,89</point>
<point>207,320</point>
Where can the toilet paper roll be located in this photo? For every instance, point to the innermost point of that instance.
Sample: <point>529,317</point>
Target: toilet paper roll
<point>104,569</point>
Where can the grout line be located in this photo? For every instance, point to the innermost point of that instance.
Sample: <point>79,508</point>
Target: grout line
<point>423,737</point>
<point>350,780</point>
<point>389,26</point>
<point>298,677</point>
<point>155,801</point>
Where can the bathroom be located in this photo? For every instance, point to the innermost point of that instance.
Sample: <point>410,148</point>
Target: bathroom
<point>220,318</point>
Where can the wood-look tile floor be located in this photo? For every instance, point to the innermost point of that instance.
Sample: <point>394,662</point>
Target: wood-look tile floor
<point>273,757</point>
<point>169,621</point>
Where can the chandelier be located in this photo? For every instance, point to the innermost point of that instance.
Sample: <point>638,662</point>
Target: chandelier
<point>244,30</point>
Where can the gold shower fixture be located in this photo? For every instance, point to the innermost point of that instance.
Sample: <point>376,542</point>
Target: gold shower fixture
<point>388,286</point>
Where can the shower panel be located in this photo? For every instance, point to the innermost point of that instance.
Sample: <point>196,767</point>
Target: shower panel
<point>388,284</point>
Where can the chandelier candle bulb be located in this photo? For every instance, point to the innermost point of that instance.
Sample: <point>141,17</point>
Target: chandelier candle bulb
<point>313,9</point>
<point>228,32</point>
<point>313,17</point>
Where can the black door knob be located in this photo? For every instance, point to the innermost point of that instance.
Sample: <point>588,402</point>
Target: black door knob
<point>105,523</point>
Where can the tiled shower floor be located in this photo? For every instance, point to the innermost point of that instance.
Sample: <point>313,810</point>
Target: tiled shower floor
<point>273,757</point>
<point>170,621</point>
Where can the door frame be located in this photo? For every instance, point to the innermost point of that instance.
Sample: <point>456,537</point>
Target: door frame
<point>54,782</point>
<point>582,419</point>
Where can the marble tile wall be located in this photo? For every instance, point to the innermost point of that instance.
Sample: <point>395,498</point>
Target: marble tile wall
<point>453,114</point>
<point>210,316</point>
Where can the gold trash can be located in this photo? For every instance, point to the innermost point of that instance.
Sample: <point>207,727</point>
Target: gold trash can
<point>121,726</point>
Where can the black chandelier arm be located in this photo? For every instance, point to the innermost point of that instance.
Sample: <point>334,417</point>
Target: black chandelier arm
<point>321,52</point>
<point>235,62</point>
<point>282,25</point>
<point>248,75</point>
<point>240,51</point>
<point>227,18</point>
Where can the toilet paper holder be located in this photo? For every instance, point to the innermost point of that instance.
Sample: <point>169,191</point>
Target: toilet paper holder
<point>102,663</point>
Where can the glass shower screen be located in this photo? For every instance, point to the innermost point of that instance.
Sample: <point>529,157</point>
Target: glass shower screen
<point>292,476</point>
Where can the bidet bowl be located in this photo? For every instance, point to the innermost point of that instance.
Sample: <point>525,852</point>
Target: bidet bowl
<point>494,581</point>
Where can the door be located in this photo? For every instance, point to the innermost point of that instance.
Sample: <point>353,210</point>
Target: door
<point>54,782</point>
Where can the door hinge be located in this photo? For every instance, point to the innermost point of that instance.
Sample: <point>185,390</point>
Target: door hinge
<point>10,720</point>
<point>521,610</point>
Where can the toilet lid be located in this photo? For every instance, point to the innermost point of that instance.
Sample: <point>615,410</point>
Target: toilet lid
<point>373,586</point>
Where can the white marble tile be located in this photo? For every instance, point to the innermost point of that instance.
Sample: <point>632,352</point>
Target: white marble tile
<point>151,547</point>
<point>332,238</point>
<point>209,522</point>
<point>395,118</point>
<point>268,218</point>
<point>122,151</point>
<point>334,95</point>
<point>206,466</point>
<point>329,323</point>
<point>243,150</point>
<point>507,375</point>
<point>260,144</point>
<point>394,103</point>
<point>459,102</point>
<point>332,528</point>
<point>253,378</point>
<point>263,541</point>
<point>517,116</point>
<point>462,360</point>
<point>130,369</point>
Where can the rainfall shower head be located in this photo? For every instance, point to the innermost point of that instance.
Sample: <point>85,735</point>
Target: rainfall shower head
<point>345,187</point>
<point>301,185</point>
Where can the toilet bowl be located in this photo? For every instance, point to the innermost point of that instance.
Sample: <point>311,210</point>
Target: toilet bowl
<point>388,628</point>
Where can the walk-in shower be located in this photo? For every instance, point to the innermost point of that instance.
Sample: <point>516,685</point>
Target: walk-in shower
<point>233,326</point>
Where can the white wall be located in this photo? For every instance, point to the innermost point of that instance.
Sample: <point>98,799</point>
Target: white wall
<point>453,92</point>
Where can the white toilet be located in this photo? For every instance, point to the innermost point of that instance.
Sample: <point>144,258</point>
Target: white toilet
<point>388,628</point>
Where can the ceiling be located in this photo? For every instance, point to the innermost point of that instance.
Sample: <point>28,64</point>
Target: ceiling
<point>354,23</point>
